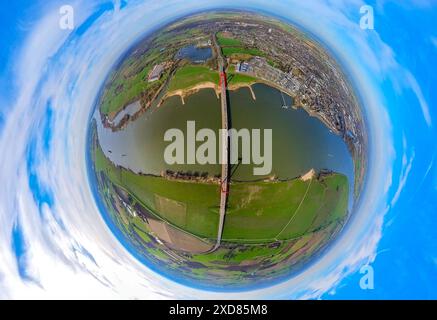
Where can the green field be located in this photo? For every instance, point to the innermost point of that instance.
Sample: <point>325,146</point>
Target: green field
<point>228,42</point>
<point>235,78</point>
<point>130,80</point>
<point>190,75</point>
<point>129,89</point>
<point>257,211</point>
<point>228,51</point>
<point>192,207</point>
<point>293,209</point>
<point>234,47</point>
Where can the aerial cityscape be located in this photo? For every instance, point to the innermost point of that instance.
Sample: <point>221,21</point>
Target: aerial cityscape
<point>232,151</point>
<point>213,224</point>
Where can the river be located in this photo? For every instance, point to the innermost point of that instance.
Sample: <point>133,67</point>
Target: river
<point>300,142</point>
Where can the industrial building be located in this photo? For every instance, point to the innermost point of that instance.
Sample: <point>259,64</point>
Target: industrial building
<point>156,73</point>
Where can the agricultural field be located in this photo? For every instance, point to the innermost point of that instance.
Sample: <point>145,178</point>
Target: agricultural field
<point>294,209</point>
<point>230,51</point>
<point>227,41</point>
<point>232,47</point>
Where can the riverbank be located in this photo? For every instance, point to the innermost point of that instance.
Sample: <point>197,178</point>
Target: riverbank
<point>185,93</point>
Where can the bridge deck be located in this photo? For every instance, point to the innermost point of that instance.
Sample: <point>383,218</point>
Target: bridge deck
<point>224,188</point>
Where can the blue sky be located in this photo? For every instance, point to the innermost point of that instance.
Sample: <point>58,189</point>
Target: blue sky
<point>49,80</point>
<point>406,266</point>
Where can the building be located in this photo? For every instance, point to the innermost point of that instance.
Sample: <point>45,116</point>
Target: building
<point>242,67</point>
<point>156,73</point>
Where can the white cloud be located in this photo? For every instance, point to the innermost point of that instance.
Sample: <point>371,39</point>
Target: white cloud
<point>434,41</point>
<point>411,80</point>
<point>407,164</point>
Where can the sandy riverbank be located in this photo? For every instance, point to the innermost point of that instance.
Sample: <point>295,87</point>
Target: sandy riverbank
<point>184,93</point>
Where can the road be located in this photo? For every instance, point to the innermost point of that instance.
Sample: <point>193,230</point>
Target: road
<point>224,187</point>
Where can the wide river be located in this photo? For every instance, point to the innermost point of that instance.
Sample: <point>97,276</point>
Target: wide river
<point>300,142</point>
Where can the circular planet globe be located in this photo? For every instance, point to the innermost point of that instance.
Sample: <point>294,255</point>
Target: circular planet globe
<point>227,150</point>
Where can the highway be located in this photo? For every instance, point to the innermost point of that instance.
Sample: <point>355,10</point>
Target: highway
<point>224,185</point>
